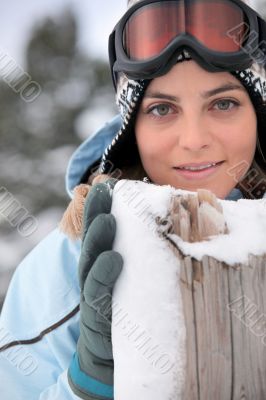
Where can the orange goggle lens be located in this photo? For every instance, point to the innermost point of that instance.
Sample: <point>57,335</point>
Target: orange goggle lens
<point>151,28</point>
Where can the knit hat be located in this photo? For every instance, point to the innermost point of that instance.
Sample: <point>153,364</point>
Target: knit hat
<point>123,151</point>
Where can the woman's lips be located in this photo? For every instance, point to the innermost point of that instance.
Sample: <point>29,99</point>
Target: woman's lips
<point>198,170</point>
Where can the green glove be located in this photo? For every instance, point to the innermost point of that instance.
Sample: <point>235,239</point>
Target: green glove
<point>91,370</point>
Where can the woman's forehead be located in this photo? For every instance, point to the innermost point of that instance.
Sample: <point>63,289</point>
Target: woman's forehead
<point>192,74</point>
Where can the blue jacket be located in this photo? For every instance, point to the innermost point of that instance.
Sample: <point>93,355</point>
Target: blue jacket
<point>43,291</point>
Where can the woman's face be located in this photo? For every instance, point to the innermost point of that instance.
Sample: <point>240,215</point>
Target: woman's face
<point>194,128</point>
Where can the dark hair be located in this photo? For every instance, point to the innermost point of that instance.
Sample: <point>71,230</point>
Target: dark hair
<point>253,185</point>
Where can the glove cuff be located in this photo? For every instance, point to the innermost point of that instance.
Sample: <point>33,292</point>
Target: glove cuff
<point>85,386</point>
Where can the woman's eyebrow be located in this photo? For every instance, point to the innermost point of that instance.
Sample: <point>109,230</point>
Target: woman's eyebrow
<point>159,95</point>
<point>209,93</point>
<point>225,88</point>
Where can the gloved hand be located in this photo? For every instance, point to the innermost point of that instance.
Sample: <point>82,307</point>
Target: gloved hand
<point>91,371</point>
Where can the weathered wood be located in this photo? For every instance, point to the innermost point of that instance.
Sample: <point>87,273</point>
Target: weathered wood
<point>224,308</point>
<point>197,218</point>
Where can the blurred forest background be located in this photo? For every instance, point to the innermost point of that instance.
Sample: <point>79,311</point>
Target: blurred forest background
<point>37,138</point>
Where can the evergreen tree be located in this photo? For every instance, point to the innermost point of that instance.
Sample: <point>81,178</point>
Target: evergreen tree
<point>38,137</point>
<point>28,131</point>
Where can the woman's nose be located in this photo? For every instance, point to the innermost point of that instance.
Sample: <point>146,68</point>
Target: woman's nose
<point>194,134</point>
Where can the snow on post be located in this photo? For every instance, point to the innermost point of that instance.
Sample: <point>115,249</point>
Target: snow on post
<point>188,308</point>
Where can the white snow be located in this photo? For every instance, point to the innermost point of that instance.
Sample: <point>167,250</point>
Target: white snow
<point>148,329</point>
<point>246,220</point>
<point>146,297</point>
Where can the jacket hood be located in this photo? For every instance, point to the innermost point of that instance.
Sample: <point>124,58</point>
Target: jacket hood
<point>90,151</point>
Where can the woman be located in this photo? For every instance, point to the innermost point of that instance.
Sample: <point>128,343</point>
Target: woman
<point>193,116</point>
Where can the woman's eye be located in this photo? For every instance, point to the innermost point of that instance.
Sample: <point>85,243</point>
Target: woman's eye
<point>225,104</point>
<point>160,110</point>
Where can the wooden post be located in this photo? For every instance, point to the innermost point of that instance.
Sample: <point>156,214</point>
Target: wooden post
<point>224,308</point>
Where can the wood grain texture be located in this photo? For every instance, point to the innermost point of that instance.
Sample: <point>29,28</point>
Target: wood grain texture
<point>224,307</point>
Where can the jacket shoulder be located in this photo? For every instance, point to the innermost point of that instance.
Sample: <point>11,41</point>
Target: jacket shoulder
<point>44,287</point>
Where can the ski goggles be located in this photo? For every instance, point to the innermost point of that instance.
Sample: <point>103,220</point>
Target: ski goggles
<point>219,34</point>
